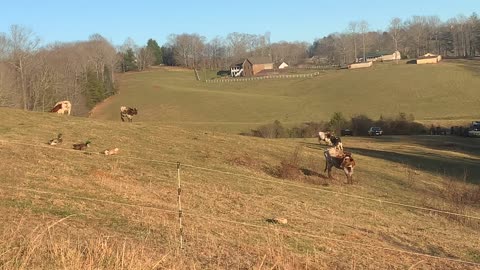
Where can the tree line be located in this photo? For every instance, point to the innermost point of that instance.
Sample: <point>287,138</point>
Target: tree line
<point>418,35</point>
<point>34,77</point>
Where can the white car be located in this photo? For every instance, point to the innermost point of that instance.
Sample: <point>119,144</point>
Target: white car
<point>375,131</point>
<point>474,129</point>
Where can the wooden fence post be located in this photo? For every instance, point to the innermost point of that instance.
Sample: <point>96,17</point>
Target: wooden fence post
<point>180,213</point>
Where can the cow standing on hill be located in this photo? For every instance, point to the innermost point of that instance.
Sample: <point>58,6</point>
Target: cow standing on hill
<point>341,160</point>
<point>62,107</point>
<point>128,113</point>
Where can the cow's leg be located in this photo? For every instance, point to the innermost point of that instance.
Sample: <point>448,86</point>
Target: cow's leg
<point>129,118</point>
<point>121,117</point>
<point>349,172</point>
<point>326,161</point>
<point>330,170</point>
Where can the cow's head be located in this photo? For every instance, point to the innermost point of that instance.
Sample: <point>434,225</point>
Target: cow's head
<point>348,164</point>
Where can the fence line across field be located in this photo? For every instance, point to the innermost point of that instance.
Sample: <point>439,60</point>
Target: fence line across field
<point>359,197</point>
<point>246,224</point>
<point>307,75</point>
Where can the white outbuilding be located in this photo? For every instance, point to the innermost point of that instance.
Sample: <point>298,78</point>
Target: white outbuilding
<point>283,65</point>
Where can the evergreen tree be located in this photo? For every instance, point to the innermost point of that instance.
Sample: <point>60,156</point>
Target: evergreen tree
<point>94,89</point>
<point>152,45</point>
<point>129,61</point>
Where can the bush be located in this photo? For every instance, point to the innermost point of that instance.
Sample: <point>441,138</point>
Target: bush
<point>361,124</point>
<point>401,125</point>
<point>274,130</point>
<point>338,122</point>
<point>290,166</point>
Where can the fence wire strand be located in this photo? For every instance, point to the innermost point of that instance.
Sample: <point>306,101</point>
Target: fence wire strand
<point>246,224</point>
<point>427,209</point>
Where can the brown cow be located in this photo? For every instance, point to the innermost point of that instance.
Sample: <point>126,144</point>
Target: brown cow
<point>62,107</point>
<point>341,160</point>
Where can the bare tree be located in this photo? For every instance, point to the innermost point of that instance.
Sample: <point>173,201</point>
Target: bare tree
<point>352,27</point>
<point>433,29</point>
<point>145,58</point>
<point>23,44</point>
<point>188,48</point>
<point>417,30</point>
<point>395,30</point>
<point>290,52</point>
<point>237,43</point>
<point>215,52</point>
<point>363,25</point>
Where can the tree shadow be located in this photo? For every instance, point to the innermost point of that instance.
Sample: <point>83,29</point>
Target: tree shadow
<point>457,168</point>
<point>470,64</point>
<point>465,145</point>
<point>431,162</point>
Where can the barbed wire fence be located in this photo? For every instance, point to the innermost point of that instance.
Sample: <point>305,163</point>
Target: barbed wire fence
<point>181,213</point>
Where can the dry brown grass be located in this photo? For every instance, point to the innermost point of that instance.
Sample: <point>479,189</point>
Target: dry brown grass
<point>55,245</point>
<point>225,221</point>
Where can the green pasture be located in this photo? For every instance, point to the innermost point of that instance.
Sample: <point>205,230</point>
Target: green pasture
<point>432,93</point>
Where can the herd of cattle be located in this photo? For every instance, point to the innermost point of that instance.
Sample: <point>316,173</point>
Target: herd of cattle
<point>334,155</point>
<point>65,107</point>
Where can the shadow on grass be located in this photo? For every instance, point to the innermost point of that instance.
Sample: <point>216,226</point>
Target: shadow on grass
<point>428,161</point>
<point>470,64</point>
<point>469,146</point>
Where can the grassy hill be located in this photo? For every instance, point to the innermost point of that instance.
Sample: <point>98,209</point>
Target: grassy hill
<point>445,93</point>
<point>61,208</point>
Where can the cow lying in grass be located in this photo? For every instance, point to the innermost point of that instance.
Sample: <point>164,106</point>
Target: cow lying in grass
<point>341,160</point>
<point>128,113</point>
<point>62,107</point>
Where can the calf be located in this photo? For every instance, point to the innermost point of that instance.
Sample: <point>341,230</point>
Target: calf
<point>324,136</point>
<point>62,107</point>
<point>341,160</point>
<point>330,139</point>
<point>128,113</point>
<point>337,142</point>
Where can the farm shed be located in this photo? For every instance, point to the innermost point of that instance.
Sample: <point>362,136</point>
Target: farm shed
<point>251,67</point>
<point>283,65</point>
<point>390,57</point>
<point>360,65</point>
<point>429,58</point>
<point>381,56</point>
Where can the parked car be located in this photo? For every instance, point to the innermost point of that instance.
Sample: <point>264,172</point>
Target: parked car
<point>474,130</point>
<point>375,131</point>
<point>346,132</point>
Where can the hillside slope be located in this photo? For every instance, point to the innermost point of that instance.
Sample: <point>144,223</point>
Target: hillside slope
<point>62,208</point>
<point>447,91</point>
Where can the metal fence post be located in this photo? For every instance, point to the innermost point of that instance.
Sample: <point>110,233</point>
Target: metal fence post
<point>180,213</point>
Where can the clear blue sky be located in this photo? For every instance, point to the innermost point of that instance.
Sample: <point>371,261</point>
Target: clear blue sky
<point>302,20</point>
